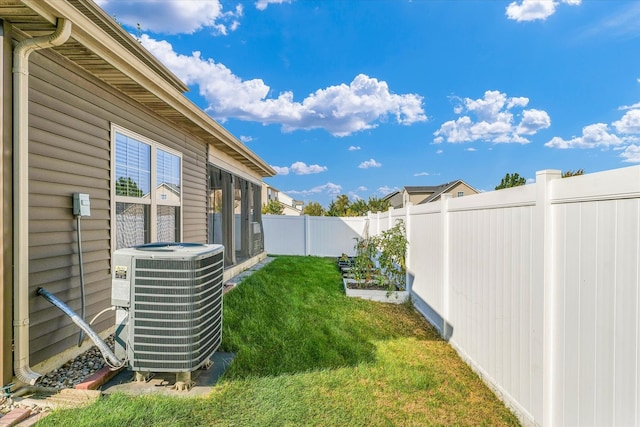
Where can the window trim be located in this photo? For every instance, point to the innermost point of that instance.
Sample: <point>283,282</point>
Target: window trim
<point>153,201</point>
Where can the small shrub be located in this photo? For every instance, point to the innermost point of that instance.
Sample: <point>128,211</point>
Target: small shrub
<point>392,250</point>
<point>382,259</point>
<point>364,265</point>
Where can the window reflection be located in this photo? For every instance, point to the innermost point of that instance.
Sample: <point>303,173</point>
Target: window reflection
<point>133,167</point>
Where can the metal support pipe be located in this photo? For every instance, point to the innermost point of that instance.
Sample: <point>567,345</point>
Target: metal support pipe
<point>102,346</point>
<point>81,266</point>
<point>21,53</point>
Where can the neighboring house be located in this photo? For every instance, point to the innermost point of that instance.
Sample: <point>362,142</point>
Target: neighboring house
<point>418,195</point>
<point>87,109</point>
<point>394,199</point>
<point>290,205</point>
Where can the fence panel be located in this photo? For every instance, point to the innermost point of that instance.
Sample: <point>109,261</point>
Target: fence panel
<point>490,281</point>
<point>284,234</point>
<point>426,261</point>
<point>597,237</point>
<point>312,235</point>
<point>332,236</point>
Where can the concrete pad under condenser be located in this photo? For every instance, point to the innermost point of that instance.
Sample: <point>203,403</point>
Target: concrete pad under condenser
<point>165,382</point>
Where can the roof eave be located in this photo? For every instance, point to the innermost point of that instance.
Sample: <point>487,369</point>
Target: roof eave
<point>131,59</point>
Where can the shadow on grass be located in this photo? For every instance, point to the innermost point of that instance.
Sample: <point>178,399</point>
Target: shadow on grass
<point>292,316</point>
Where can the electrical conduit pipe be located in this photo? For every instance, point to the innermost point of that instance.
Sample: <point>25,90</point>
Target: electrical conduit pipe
<point>111,358</point>
<point>21,52</point>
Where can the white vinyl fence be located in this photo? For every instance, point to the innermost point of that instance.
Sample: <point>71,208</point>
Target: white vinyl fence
<point>536,287</point>
<point>311,235</point>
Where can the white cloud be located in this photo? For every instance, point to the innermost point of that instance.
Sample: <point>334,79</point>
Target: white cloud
<point>300,168</point>
<point>354,148</point>
<point>262,4</point>
<point>494,122</point>
<point>439,152</point>
<point>361,188</point>
<point>174,16</point>
<point>631,154</point>
<point>328,188</point>
<point>531,10</point>
<point>371,163</point>
<point>384,190</point>
<point>629,123</point>
<point>630,107</point>
<point>341,110</point>
<point>532,121</point>
<point>470,149</point>
<point>281,170</point>
<point>595,135</point>
<point>245,138</point>
<point>422,174</point>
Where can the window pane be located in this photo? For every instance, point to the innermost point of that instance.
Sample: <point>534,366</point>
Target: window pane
<point>168,223</point>
<point>133,167</point>
<point>132,225</point>
<point>168,179</point>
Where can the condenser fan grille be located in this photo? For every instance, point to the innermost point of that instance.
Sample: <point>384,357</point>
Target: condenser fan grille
<point>176,315</point>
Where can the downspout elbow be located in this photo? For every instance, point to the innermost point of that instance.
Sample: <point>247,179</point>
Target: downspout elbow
<point>21,52</point>
<point>58,37</point>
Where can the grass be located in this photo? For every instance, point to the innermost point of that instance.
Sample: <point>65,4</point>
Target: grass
<point>308,355</point>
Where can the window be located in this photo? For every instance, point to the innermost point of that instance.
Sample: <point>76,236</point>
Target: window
<point>144,212</point>
<point>460,193</point>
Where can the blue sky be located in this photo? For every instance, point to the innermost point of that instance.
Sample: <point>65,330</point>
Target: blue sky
<point>364,97</point>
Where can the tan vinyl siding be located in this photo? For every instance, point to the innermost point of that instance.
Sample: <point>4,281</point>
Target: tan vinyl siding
<point>69,131</point>
<point>464,188</point>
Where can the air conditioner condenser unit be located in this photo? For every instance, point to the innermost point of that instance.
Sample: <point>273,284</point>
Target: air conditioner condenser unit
<point>168,299</point>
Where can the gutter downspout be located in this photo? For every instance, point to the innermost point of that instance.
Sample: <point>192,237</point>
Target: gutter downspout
<point>21,54</point>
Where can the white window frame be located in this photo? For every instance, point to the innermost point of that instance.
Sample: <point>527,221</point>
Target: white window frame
<point>153,201</point>
<point>460,193</point>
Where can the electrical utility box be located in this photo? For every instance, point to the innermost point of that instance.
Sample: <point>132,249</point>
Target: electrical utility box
<point>81,204</point>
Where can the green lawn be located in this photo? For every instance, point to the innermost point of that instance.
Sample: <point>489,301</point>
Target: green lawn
<point>308,355</point>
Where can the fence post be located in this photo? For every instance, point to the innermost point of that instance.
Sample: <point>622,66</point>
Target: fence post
<point>544,298</point>
<point>307,236</point>
<point>446,330</point>
<point>407,224</point>
<point>390,219</point>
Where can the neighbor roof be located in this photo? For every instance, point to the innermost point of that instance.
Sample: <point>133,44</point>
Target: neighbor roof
<point>433,191</point>
<point>445,188</point>
<point>390,195</point>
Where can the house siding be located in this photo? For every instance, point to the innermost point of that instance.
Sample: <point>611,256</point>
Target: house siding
<point>461,187</point>
<point>70,117</point>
